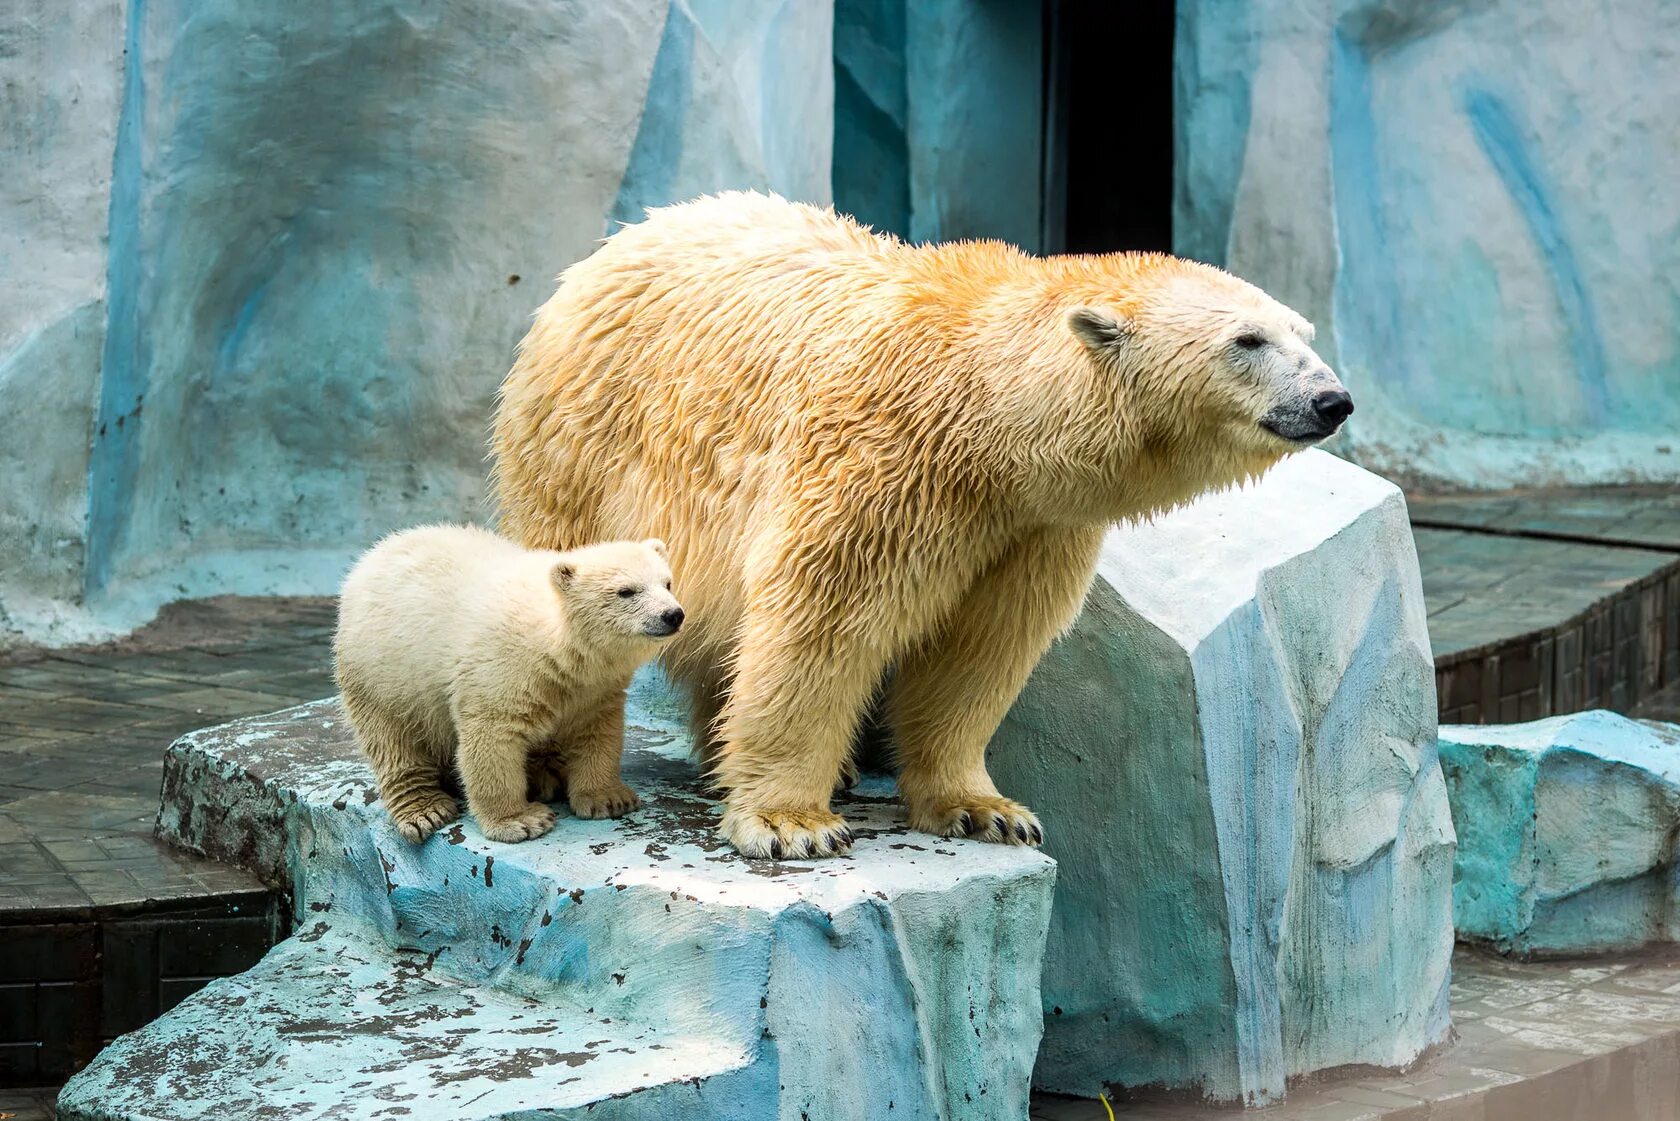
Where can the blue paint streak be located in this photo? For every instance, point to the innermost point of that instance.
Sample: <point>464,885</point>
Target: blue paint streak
<point>1214,50</point>
<point>656,153</point>
<point>1501,140</point>
<point>1367,300</point>
<point>113,458</point>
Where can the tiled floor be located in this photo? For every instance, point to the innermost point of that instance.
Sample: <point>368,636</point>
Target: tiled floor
<point>1643,517</point>
<point>82,734</point>
<point>1481,587</point>
<point>27,1105</point>
<point>1540,1041</point>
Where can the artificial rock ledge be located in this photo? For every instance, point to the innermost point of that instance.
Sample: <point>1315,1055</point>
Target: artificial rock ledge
<point>610,970</point>
<point>1233,754</point>
<point>1566,833</point>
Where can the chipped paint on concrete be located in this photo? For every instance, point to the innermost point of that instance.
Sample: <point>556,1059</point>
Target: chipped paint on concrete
<point>677,975</point>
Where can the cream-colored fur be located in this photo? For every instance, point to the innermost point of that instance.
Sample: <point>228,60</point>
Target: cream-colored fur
<point>458,647</point>
<point>871,454</point>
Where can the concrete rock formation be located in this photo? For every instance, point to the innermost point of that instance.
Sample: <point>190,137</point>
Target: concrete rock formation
<point>1471,213</point>
<point>1234,757</point>
<point>1566,832</point>
<point>635,968</point>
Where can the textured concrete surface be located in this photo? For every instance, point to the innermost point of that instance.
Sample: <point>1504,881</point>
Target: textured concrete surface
<point>1534,1042</point>
<point>1566,831</point>
<point>262,264</point>
<point>655,970</point>
<point>1234,756</point>
<point>1499,297</point>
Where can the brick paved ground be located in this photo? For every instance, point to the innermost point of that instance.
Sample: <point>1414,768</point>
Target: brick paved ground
<point>82,734</point>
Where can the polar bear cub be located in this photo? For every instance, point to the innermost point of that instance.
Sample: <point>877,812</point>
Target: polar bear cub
<point>456,647</point>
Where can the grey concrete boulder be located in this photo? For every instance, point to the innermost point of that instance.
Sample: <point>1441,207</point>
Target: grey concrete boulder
<point>1234,756</point>
<point>635,968</point>
<point>1566,832</point>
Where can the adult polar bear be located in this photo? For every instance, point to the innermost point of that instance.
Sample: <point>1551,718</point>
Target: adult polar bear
<point>866,454</point>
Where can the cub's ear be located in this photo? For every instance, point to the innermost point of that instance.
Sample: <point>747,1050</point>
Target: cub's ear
<point>1098,329</point>
<point>563,572</point>
<point>657,546</point>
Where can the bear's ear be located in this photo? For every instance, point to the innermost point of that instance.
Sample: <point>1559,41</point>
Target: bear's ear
<point>1099,330</point>
<point>563,572</point>
<point>657,546</point>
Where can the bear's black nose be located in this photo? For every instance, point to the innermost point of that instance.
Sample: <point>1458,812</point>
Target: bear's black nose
<point>1333,406</point>
<point>673,618</point>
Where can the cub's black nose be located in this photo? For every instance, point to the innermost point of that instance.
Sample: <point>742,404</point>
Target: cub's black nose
<point>673,618</point>
<point>1333,406</point>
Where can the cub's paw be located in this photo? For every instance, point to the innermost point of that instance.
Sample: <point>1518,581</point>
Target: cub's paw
<point>532,821</point>
<point>982,819</point>
<point>421,816</point>
<point>786,834</point>
<point>545,779</point>
<point>609,801</point>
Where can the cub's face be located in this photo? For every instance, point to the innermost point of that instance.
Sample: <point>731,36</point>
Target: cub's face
<point>1219,354</point>
<point>621,589</point>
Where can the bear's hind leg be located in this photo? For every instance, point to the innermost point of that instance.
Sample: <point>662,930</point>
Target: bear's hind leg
<point>545,774</point>
<point>953,690</point>
<point>407,770</point>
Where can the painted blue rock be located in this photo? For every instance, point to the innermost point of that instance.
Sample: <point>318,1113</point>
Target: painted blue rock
<point>1566,832</point>
<point>612,969</point>
<point>1234,756</point>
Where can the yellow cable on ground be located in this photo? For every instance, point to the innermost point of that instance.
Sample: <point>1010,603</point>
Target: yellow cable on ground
<point>1103,1097</point>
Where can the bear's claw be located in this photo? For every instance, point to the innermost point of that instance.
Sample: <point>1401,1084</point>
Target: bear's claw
<point>533,821</point>
<point>787,834</point>
<point>994,819</point>
<point>614,801</point>
<point>419,821</point>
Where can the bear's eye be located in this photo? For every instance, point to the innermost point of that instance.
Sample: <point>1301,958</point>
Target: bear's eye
<point>626,593</point>
<point>667,585</point>
<point>1251,340</point>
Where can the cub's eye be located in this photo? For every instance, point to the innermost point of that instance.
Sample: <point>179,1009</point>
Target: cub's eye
<point>626,593</point>
<point>667,585</point>
<point>1251,341</point>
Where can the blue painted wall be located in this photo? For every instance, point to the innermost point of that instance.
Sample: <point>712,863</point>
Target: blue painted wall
<point>264,264</point>
<point>938,117</point>
<point>1472,200</point>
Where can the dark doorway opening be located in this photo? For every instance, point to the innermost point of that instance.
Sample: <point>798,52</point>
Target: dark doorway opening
<point>1108,129</point>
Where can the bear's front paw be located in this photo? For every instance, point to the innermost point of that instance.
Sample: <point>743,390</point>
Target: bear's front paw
<point>423,815</point>
<point>982,819</point>
<point>786,834</point>
<point>532,821</point>
<point>609,801</point>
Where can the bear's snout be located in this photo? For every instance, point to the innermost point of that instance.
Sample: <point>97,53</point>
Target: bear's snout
<point>669,620</point>
<point>1333,406</point>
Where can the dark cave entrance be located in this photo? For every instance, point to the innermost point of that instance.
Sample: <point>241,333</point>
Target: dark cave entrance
<point>1108,126</point>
